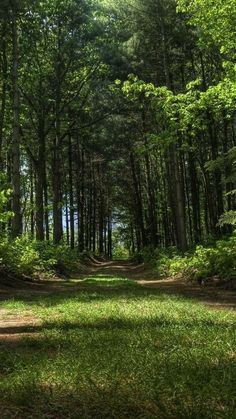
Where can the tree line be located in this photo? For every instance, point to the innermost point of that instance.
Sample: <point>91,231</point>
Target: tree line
<point>118,115</point>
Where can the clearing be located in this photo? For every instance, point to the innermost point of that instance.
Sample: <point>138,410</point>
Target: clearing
<point>114,344</point>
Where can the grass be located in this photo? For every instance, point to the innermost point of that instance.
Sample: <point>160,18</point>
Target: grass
<point>116,350</point>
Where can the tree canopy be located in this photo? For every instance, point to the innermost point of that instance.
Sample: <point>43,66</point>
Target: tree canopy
<point>118,115</point>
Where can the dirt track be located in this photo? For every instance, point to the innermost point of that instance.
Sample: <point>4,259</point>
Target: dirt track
<point>213,296</point>
<point>13,327</point>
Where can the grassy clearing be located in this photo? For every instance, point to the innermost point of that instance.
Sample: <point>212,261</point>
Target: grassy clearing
<point>116,350</point>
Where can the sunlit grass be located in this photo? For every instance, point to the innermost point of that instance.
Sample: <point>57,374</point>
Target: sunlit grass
<point>108,280</point>
<point>115,350</point>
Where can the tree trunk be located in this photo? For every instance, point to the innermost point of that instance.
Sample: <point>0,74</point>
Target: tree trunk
<point>195,198</point>
<point>179,214</point>
<point>15,149</point>
<point>57,197</point>
<point>109,245</point>
<point>4,89</point>
<point>139,206</point>
<point>39,204</point>
<point>46,217</point>
<point>31,201</point>
<point>81,202</point>
<point>71,194</point>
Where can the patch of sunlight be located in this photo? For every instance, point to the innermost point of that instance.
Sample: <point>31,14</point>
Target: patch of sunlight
<point>13,304</point>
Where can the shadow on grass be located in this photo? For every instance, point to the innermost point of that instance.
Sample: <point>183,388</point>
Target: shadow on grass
<point>94,288</point>
<point>120,323</point>
<point>102,286</point>
<point>151,367</point>
<point>8,330</point>
<point>174,392</point>
<point>92,402</point>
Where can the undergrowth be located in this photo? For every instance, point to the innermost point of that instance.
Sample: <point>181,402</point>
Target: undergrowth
<point>24,257</point>
<point>204,261</point>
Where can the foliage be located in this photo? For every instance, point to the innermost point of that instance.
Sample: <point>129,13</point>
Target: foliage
<point>217,21</point>
<point>23,257</point>
<point>182,113</point>
<point>18,257</point>
<point>93,144</point>
<point>215,260</point>
<point>58,258</point>
<point>229,218</point>
<point>120,253</point>
<point>119,246</point>
<point>5,194</point>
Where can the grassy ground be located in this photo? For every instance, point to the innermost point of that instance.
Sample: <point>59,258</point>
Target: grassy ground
<point>117,350</point>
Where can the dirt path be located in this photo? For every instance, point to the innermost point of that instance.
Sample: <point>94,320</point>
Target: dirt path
<point>12,327</point>
<point>213,296</point>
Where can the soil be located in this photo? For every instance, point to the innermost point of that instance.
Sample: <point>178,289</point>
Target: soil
<point>14,326</point>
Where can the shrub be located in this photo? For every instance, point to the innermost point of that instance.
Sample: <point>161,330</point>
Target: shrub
<point>119,252</point>
<point>23,257</point>
<point>5,193</point>
<point>18,257</point>
<point>217,259</point>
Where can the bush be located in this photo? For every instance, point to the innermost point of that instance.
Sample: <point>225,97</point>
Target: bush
<point>206,262</point>
<point>18,257</point>
<point>120,253</point>
<point>218,259</point>
<point>23,257</point>
<point>60,258</point>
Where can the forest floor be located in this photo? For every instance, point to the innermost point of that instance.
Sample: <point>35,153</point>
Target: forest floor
<point>213,295</point>
<point>116,343</point>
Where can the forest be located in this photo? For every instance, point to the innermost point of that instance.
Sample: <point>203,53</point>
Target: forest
<point>117,209</point>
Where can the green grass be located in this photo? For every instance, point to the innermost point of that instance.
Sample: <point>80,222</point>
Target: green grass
<point>113,350</point>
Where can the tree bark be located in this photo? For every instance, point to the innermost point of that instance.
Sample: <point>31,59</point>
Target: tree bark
<point>71,195</point>
<point>56,159</point>
<point>15,149</point>
<point>139,206</point>
<point>4,89</point>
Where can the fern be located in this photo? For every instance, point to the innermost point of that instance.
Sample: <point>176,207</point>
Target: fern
<point>228,217</point>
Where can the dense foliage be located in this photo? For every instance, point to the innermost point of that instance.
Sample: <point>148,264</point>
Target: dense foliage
<point>26,258</point>
<point>213,262</point>
<point>118,119</point>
